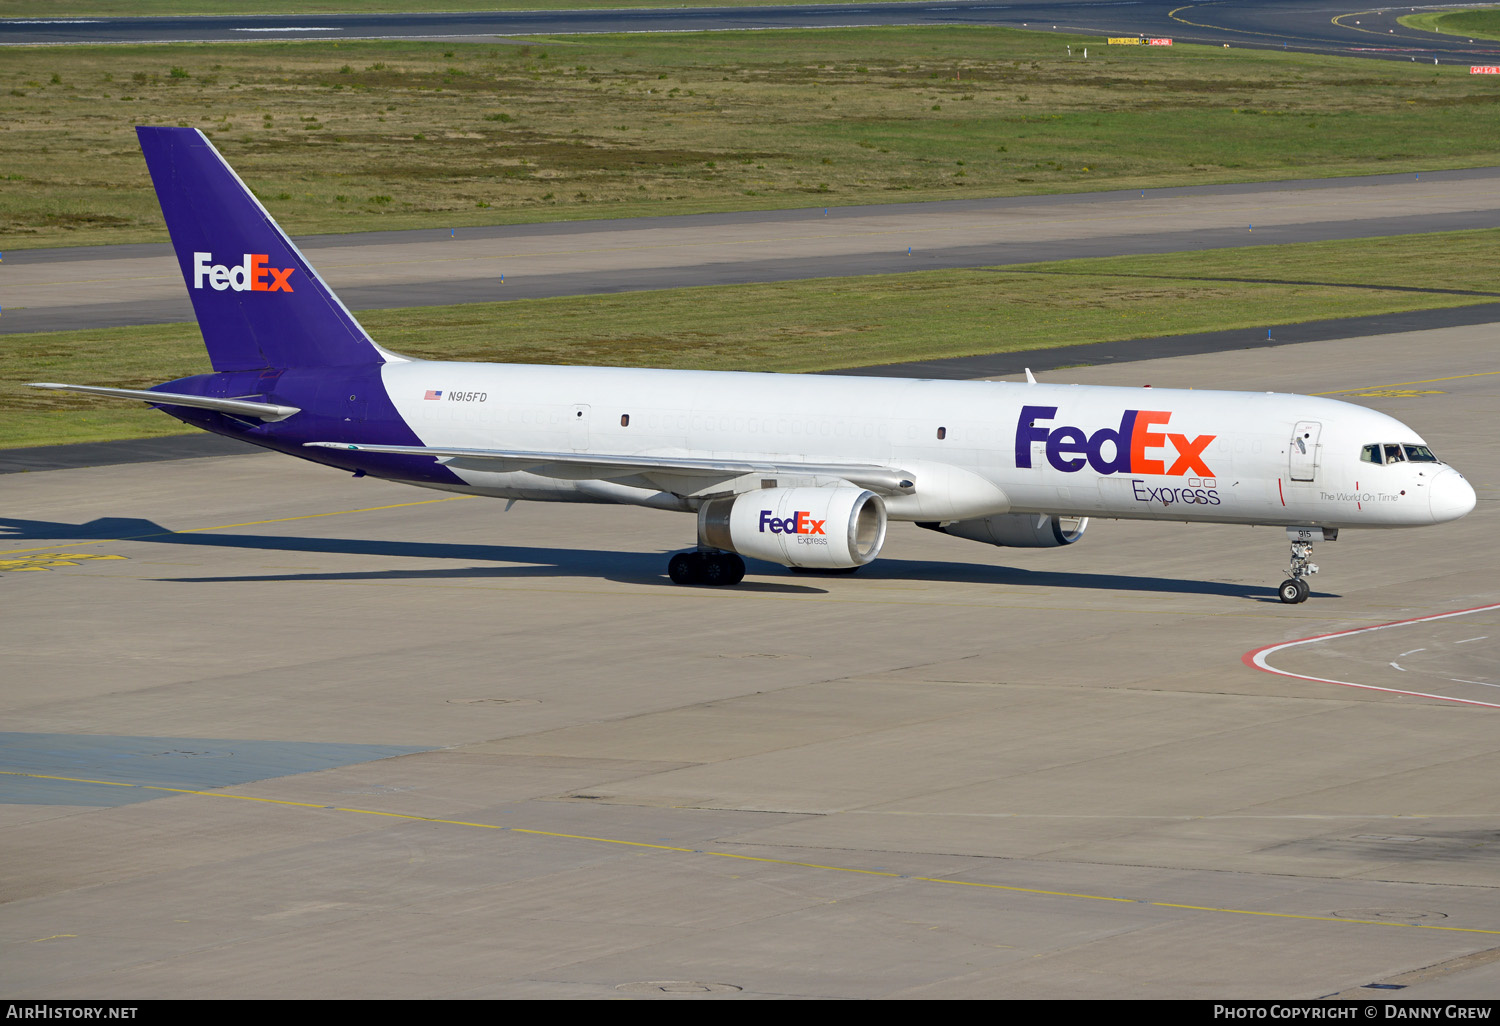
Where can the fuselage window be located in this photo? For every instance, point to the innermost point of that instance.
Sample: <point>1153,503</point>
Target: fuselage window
<point>1393,453</point>
<point>1371,454</point>
<point>1420,454</point>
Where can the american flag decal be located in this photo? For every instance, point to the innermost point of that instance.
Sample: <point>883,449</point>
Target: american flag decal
<point>433,393</point>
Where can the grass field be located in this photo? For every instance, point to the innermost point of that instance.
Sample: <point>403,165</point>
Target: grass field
<point>372,135</point>
<point>808,325</point>
<point>1477,24</point>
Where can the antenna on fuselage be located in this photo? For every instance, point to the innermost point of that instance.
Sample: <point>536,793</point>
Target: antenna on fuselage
<point>1029,379</point>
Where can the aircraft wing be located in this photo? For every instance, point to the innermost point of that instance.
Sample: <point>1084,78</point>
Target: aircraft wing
<point>238,407</point>
<point>884,480</point>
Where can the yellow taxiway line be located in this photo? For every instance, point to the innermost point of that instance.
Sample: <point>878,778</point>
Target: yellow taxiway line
<point>948,881</point>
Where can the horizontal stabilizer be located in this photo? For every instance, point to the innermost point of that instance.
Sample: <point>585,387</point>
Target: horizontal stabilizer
<point>237,407</point>
<point>887,480</point>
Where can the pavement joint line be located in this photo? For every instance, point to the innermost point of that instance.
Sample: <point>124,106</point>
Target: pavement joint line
<point>226,527</point>
<point>766,860</point>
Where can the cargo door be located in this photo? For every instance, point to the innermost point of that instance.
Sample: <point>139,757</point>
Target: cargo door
<point>578,428</point>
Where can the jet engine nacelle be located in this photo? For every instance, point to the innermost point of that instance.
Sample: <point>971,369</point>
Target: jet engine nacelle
<point>822,528</point>
<point>1018,530</point>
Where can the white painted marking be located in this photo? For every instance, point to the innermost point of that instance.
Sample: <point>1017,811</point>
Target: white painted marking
<point>1257,657</point>
<point>1399,667</point>
<point>1467,640</point>
<point>1485,683</point>
<point>293,28</point>
<point>1409,652</point>
<point>57,21</point>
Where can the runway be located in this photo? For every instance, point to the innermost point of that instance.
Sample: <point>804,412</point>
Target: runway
<point>108,286</point>
<point>962,772</point>
<point>1313,26</point>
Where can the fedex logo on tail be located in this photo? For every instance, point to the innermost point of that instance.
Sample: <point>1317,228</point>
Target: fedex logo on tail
<point>250,275</point>
<point>1135,447</point>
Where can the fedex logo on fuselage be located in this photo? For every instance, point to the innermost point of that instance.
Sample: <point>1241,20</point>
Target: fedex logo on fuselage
<point>250,275</point>
<point>1132,448</point>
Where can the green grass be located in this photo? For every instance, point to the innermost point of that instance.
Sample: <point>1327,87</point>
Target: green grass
<point>810,325</point>
<point>1474,24</point>
<point>359,136</point>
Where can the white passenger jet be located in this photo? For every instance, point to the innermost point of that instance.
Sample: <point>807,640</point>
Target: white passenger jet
<point>801,470</point>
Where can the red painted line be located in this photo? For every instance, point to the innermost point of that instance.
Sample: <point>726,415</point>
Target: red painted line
<point>1278,491</point>
<point>1256,658</point>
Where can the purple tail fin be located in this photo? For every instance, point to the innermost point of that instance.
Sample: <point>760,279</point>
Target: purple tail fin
<point>259,302</point>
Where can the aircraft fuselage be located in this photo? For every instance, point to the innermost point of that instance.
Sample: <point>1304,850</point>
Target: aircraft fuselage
<point>975,449</point>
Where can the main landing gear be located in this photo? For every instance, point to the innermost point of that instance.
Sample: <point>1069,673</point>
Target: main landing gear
<point>706,566</point>
<point>1296,587</point>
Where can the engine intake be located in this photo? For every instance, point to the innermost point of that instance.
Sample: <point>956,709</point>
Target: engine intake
<point>822,528</point>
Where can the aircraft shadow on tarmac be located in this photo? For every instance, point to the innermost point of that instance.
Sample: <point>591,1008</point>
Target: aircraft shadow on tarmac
<point>1024,577</point>
<point>625,567</point>
<point>534,561</point>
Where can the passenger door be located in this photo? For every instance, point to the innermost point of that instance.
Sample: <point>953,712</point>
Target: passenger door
<point>1302,457</point>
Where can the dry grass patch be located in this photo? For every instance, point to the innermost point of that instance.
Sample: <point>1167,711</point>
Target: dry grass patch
<point>372,135</point>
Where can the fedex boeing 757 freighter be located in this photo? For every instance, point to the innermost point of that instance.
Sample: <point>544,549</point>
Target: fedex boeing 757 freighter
<point>801,470</point>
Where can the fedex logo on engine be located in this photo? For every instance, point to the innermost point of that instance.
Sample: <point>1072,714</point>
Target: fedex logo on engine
<point>1132,448</point>
<point>800,522</point>
<point>250,275</point>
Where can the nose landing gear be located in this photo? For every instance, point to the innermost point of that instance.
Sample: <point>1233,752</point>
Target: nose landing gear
<point>1296,587</point>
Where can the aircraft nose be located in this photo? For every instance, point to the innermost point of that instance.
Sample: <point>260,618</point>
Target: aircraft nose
<point>1450,495</point>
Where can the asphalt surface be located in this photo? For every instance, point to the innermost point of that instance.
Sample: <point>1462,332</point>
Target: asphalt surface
<point>108,286</point>
<point>270,730</point>
<point>1314,26</point>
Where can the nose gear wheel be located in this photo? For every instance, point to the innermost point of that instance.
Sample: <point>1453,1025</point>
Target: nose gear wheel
<point>1296,588</point>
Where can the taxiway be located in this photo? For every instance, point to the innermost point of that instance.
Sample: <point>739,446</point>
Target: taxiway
<point>108,286</point>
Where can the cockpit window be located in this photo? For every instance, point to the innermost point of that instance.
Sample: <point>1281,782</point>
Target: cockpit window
<point>1390,452</point>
